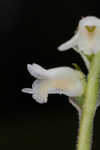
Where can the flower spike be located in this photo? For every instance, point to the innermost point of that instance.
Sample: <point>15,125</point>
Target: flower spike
<point>61,80</point>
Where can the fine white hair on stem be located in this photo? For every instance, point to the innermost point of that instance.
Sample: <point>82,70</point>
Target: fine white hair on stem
<point>61,80</point>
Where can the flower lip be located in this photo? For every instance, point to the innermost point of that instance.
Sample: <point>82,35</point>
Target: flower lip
<point>90,28</point>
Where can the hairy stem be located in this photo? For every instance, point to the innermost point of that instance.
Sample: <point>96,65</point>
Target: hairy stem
<point>89,107</point>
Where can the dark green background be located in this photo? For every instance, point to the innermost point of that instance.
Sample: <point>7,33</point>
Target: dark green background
<point>31,31</point>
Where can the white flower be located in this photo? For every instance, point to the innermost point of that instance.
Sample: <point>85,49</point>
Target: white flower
<point>86,39</point>
<point>61,80</point>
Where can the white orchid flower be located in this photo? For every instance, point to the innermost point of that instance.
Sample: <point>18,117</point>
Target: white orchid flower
<point>61,80</point>
<point>86,39</point>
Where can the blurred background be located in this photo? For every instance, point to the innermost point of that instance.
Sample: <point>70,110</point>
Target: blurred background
<point>31,31</point>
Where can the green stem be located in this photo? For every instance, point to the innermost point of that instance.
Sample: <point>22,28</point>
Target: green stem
<point>89,107</point>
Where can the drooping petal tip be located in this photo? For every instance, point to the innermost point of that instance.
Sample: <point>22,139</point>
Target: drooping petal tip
<point>37,71</point>
<point>69,44</point>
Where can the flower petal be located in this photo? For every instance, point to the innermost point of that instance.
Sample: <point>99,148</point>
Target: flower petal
<point>69,44</point>
<point>37,71</point>
<point>27,90</point>
<point>89,21</point>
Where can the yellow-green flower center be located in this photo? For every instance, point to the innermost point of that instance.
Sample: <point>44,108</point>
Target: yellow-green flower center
<point>90,28</point>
